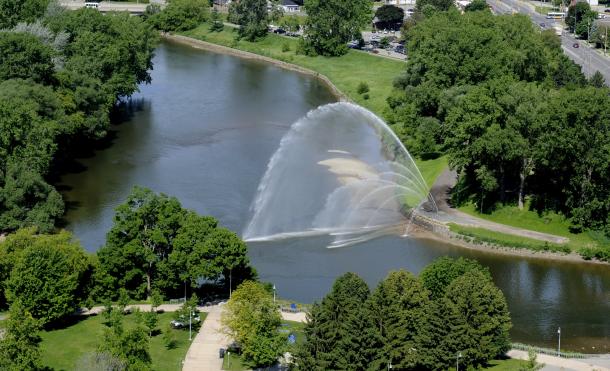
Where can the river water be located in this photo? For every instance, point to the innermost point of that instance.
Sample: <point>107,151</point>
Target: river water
<point>204,131</point>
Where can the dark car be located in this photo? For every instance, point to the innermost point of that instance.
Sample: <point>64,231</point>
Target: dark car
<point>607,10</point>
<point>575,45</point>
<point>400,49</point>
<point>279,31</point>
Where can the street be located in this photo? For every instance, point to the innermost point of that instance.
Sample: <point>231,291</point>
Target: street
<point>587,57</point>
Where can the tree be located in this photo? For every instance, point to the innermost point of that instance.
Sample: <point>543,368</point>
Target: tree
<point>340,333</point>
<point>438,275</point>
<point>332,23</point>
<point>19,344</point>
<point>389,17</point>
<point>438,5</point>
<point>49,277</point>
<point>532,364</point>
<point>179,15</point>
<point>15,11</point>
<point>251,16</point>
<point>398,309</point>
<point>290,23</point>
<point>216,24</point>
<point>476,6</point>
<point>141,237</point>
<point>478,317</point>
<point>252,319</point>
<point>25,56</point>
<point>576,14</point>
<point>597,80</point>
<point>129,346</point>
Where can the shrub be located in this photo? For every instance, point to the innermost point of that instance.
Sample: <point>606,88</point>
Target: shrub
<point>363,87</point>
<point>285,47</point>
<point>365,96</point>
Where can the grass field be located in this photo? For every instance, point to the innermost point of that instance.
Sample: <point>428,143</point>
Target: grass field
<point>63,348</point>
<point>345,72</point>
<point>505,365</point>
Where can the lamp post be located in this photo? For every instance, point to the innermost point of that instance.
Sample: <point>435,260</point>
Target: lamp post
<point>390,366</point>
<point>273,293</point>
<point>457,361</point>
<point>190,322</point>
<point>559,342</point>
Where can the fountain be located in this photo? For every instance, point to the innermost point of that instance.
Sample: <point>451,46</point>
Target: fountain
<point>340,171</point>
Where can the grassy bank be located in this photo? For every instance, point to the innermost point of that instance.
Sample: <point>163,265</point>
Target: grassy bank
<point>481,235</point>
<point>431,169</point>
<point>549,222</point>
<point>63,348</point>
<point>345,72</point>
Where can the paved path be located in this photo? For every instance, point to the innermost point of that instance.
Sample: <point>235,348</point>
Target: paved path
<point>447,214</point>
<point>556,363</point>
<point>203,352</point>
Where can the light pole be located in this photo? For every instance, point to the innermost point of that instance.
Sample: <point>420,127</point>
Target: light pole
<point>559,342</point>
<point>190,322</point>
<point>230,282</point>
<point>274,294</point>
<point>390,366</point>
<point>457,361</point>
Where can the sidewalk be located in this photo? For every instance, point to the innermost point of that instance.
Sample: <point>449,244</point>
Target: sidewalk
<point>203,352</point>
<point>554,363</point>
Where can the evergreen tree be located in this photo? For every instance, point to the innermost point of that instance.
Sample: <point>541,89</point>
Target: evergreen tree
<point>216,24</point>
<point>437,276</point>
<point>397,307</point>
<point>19,344</point>
<point>341,334</point>
<point>597,80</point>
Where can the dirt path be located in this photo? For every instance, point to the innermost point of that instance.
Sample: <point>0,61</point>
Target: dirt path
<point>447,214</point>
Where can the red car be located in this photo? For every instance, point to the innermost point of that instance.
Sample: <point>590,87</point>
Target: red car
<point>575,45</point>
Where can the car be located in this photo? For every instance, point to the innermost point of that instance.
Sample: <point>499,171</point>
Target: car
<point>575,45</point>
<point>279,31</point>
<point>542,25</point>
<point>400,49</point>
<point>177,324</point>
<point>607,10</point>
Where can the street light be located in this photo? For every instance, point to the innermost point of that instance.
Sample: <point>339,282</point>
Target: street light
<point>559,342</point>
<point>457,361</point>
<point>190,322</point>
<point>390,366</point>
<point>273,293</point>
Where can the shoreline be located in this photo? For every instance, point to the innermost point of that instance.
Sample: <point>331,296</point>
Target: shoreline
<point>208,46</point>
<point>424,229</point>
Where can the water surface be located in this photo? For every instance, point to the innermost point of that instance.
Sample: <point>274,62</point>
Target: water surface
<point>206,129</point>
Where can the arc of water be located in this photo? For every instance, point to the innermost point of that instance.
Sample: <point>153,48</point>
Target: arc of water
<point>370,194</point>
<point>382,205</point>
<point>417,176</point>
<point>423,190</point>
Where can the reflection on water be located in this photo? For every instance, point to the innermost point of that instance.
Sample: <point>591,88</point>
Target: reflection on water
<point>208,127</point>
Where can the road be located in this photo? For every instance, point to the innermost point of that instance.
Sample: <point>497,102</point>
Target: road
<point>107,6</point>
<point>588,58</point>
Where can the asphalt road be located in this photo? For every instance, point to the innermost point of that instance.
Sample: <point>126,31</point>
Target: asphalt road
<point>588,58</point>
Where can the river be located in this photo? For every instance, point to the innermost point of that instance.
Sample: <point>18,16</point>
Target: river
<point>204,131</point>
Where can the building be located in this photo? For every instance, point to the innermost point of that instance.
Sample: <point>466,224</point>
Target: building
<point>399,2</point>
<point>290,6</point>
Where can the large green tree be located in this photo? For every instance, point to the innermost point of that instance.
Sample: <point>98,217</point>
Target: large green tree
<point>389,17</point>
<point>252,319</point>
<point>15,11</point>
<point>25,56</point>
<point>180,15</point>
<point>332,23</point>
<point>50,276</point>
<point>251,16</point>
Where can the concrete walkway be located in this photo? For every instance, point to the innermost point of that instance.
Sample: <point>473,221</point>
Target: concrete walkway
<point>556,363</point>
<point>203,352</point>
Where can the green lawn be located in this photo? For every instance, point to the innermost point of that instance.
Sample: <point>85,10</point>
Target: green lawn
<point>549,222</point>
<point>62,349</point>
<point>505,364</point>
<point>431,169</point>
<point>345,72</point>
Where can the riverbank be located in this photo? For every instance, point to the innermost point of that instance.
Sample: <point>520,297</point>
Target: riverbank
<point>346,73</point>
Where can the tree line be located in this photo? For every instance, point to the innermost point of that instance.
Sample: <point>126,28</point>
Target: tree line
<point>155,250</point>
<point>517,119</point>
<point>61,73</point>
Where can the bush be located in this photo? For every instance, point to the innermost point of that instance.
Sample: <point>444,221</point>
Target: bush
<point>285,47</point>
<point>363,87</point>
<point>365,96</point>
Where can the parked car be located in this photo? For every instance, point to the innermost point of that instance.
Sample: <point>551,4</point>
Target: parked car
<point>575,45</point>
<point>607,10</point>
<point>400,49</point>
<point>279,31</point>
